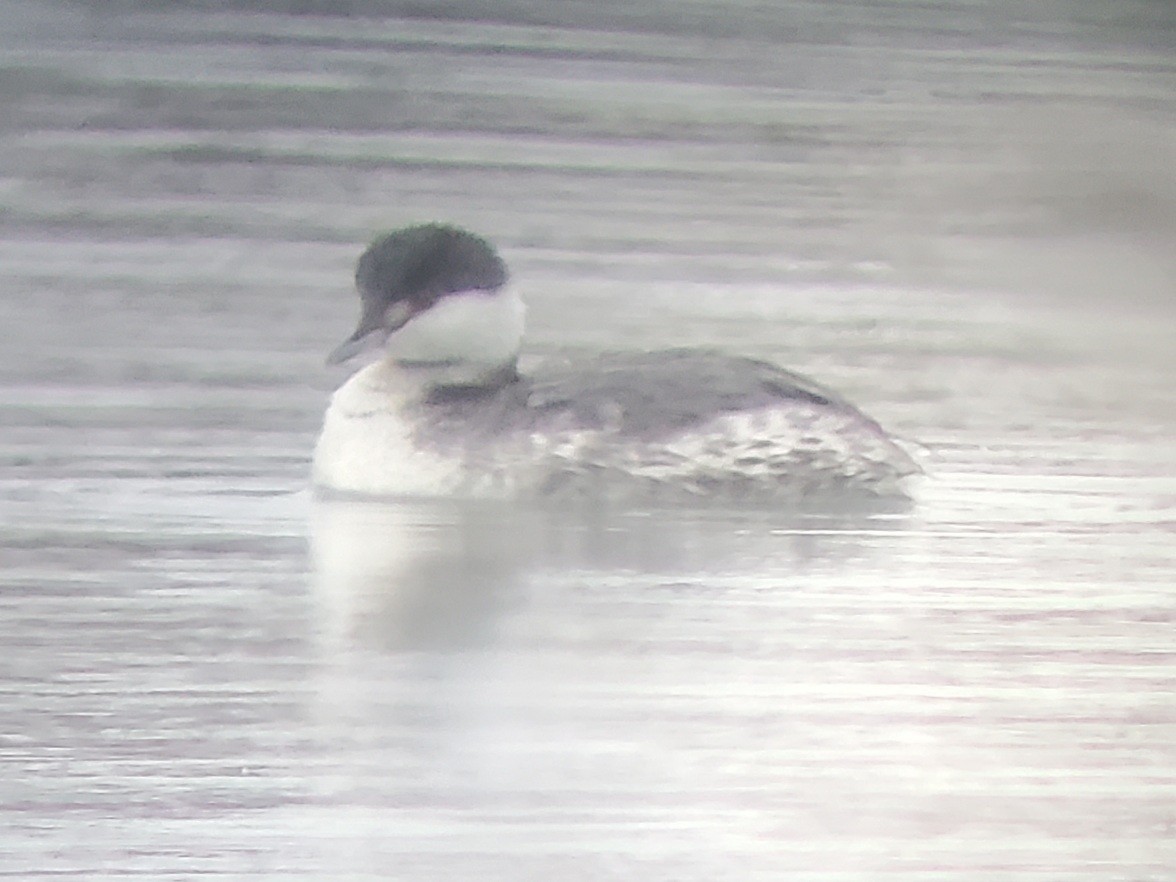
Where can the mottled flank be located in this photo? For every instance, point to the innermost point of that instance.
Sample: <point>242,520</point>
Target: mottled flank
<point>667,425</point>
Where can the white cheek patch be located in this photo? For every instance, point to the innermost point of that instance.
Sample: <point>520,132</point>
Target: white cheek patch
<point>470,326</point>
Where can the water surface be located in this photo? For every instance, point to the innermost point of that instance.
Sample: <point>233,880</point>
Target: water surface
<point>959,217</point>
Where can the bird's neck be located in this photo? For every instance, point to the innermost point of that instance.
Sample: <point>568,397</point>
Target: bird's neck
<point>444,381</point>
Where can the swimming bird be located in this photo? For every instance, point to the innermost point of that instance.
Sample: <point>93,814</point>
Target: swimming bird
<point>445,412</point>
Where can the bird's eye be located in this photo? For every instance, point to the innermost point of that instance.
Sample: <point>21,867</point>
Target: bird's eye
<point>396,316</point>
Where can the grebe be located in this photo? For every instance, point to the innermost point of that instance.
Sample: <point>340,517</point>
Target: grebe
<point>445,411</point>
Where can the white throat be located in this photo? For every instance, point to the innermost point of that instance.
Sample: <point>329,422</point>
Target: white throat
<point>481,330</point>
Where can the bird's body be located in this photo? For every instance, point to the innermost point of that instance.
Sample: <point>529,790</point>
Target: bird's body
<point>446,413</point>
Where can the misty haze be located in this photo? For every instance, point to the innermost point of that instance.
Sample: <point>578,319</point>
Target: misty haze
<point>960,215</point>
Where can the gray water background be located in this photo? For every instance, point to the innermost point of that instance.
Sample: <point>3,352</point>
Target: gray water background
<point>961,215</point>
